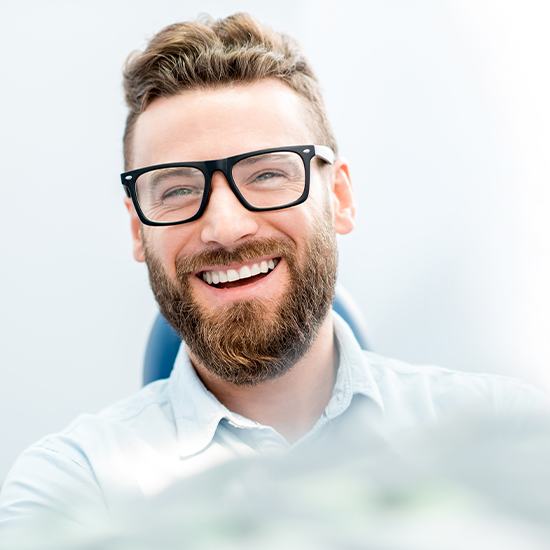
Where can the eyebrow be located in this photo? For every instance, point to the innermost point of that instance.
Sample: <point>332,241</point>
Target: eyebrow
<point>258,158</point>
<point>156,176</point>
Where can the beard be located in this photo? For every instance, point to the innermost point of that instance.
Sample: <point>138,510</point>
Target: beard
<point>250,341</point>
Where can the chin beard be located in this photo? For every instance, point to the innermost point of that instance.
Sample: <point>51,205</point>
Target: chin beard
<point>251,341</point>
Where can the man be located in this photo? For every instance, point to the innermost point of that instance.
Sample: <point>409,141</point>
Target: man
<point>235,192</point>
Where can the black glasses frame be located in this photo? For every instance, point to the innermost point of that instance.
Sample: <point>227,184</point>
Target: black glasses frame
<point>225,166</point>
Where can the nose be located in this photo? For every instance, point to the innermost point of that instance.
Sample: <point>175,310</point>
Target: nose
<point>226,222</point>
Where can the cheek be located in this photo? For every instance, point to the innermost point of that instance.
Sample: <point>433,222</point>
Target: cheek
<point>166,244</point>
<point>307,214</point>
<point>300,221</point>
<point>292,223</point>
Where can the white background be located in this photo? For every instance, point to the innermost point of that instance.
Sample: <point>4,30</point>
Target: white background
<point>442,109</point>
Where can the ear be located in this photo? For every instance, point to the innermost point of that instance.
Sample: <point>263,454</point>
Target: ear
<point>135,228</point>
<point>342,198</point>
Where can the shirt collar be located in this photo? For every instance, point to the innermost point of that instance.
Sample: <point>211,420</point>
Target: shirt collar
<point>198,412</point>
<point>354,376</point>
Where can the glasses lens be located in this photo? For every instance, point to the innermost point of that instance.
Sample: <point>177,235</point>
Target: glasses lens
<point>270,180</point>
<point>170,194</point>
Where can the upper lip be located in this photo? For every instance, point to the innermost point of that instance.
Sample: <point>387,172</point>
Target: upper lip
<point>234,265</point>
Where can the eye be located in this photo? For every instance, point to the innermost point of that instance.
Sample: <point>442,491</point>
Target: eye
<point>263,176</point>
<point>180,193</point>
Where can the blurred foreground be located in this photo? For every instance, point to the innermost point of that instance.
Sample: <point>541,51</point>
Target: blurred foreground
<point>472,483</point>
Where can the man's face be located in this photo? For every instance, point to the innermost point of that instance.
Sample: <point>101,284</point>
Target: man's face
<point>256,328</point>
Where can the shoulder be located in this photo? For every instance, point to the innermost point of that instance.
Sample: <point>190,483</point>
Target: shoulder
<point>146,415</point>
<point>147,406</point>
<point>439,390</point>
<point>73,460</point>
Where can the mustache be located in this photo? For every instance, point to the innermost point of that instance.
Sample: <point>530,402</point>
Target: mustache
<point>240,254</point>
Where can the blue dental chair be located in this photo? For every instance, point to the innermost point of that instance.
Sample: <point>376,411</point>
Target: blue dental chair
<point>164,342</point>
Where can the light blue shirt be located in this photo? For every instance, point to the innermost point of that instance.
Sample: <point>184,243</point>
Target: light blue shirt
<point>176,428</point>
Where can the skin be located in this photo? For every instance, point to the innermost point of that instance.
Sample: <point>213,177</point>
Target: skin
<point>202,125</point>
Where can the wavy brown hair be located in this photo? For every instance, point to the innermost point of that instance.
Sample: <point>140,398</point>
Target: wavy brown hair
<point>209,53</point>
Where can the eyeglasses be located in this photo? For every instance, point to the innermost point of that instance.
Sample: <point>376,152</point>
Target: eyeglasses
<point>268,179</point>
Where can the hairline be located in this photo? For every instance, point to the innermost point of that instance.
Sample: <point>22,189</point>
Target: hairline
<point>314,125</point>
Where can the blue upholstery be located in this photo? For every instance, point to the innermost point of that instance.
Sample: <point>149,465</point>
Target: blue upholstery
<point>164,342</point>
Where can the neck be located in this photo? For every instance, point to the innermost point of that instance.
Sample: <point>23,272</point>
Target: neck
<point>291,403</point>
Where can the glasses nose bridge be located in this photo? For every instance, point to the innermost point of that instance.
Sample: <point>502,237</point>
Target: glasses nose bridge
<point>220,165</point>
<point>223,166</point>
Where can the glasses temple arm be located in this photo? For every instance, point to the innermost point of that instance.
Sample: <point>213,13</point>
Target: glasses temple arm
<point>326,153</point>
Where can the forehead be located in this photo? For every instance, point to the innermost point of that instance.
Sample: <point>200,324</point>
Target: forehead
<point>220,122</point>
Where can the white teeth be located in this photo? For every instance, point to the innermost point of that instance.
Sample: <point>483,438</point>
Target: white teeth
<point>215,277</point>
<point>232,275</point>
<point>244,272</point>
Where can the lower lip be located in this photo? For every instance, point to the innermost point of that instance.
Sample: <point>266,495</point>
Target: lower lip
<point>258,288</point>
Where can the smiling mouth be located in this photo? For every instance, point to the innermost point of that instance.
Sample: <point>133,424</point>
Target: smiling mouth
<point>246,275</point>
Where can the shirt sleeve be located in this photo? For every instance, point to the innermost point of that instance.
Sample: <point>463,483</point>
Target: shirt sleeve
<point>51,482</point>
<point>512,396</point>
